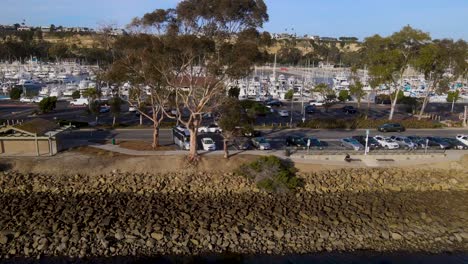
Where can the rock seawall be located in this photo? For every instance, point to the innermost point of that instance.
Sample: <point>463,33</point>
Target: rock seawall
<point>206,212</point>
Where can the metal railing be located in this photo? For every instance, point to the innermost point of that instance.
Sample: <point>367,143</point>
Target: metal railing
<point>342,151</point>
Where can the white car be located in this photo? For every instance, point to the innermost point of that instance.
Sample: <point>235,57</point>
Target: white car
<point>463,139</point>
<point>283,113</point>
<point>386,142</point>
<point>26,100</point>
<point>208,144</point>
<point>315,103</point>
<point>37,99</point>
<point>213,128</point>
<point>132,109</point>
<point>80,102</point>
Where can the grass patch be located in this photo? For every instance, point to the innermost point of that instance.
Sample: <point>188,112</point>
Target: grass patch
<point>97,152</point>
<point>271,174</point>
<point>143,146</point>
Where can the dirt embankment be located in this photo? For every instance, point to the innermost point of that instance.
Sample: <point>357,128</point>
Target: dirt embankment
<point>189,211</point>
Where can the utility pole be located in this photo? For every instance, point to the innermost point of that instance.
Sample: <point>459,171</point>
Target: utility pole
<point>291,113</point>
<point>465,115</point>
<point>453,103</point>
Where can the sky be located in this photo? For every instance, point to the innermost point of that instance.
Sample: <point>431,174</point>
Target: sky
<point>332,18</point>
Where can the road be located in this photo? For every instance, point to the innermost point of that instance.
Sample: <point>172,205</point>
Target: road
<point>276,138</point>
<point>22,111</point>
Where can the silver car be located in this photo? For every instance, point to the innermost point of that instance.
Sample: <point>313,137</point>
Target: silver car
<point>261,143</point>
<point>404,142</point>
<point>351,143</point>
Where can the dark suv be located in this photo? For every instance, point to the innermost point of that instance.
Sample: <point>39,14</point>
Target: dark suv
<point>274,103</point>
<point>391,127</point>
<point>296,142</point>
<point>310,109</point>
<point>349,109</point>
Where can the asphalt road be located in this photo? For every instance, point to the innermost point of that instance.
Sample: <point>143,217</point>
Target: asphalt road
<point>22,111</point>
<point>276,138</point>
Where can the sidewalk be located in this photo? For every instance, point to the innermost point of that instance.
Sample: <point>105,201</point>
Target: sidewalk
<point>333,160</point>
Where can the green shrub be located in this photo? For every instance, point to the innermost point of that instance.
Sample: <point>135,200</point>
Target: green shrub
<point>271,174</point>
<point>76,94</point>
<point>48,104</point>
<point>343,96</point>
<point>15,93</point>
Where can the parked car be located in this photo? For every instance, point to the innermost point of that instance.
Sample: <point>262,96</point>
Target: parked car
<point>351,143</point>
<point>293,141</point>
<point>274,102</point>
<point>208,144</point>
<point>371,143</point>
<point>419,141</point>
<point>391,127</point>
<point>310,109</point>
<point>455,143</point>
<point>104,109</point>
<point>348,109</point>
<point>315,102</point>
<point>242,143</point>
<point>386,142</point>
<point>315,143</point>
<point>261,143</point>
<point>25,100</point>
<point>79,102</point>
<point>438,142</point>
<point>463,139</point>
<point>283,113</point>
<point>213,128</point>
<point>252,133</point>
<point>404,142</point>
<point>37,99</point>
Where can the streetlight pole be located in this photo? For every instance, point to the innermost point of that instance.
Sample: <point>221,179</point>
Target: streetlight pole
<point>291,112</point>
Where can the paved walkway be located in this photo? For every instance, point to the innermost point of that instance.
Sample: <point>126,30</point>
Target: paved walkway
<point>336,160</point>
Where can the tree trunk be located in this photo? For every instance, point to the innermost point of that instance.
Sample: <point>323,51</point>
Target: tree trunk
<point>226,150</point>
<point>193,153</point>
<point>368,106</point>
<point>141,119</point>
<point>97,117</point>
<point>392,108</point>
<point>113,121</point>
<point>423,107</point>
<point>155,135</point>
<point>359,103</point>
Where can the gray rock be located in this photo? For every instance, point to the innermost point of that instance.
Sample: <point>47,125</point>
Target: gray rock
<point>3,239</point>
<point>396,236</point>
<point>157,236</point>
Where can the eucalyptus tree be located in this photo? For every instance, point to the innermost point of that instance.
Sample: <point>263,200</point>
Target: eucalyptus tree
<point>204,43</point>
<point>441,61</point>
<point>136,63</point>
<point>232,117</point>
<point>389,57</point>
<point>357,91</point>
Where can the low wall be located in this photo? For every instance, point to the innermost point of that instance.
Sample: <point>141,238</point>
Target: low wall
<point>27,147</point>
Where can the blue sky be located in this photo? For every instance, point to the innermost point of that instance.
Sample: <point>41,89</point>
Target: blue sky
<point>360,18</point>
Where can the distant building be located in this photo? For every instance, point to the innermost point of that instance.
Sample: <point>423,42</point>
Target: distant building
<point>349,39</point>
<point>329,39</point>
<point>7,27</point>
<point>117,32</point>
<point>315,38</point>
<point>324,65</point>
<point>45,29</point>
<point>24,28</point>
